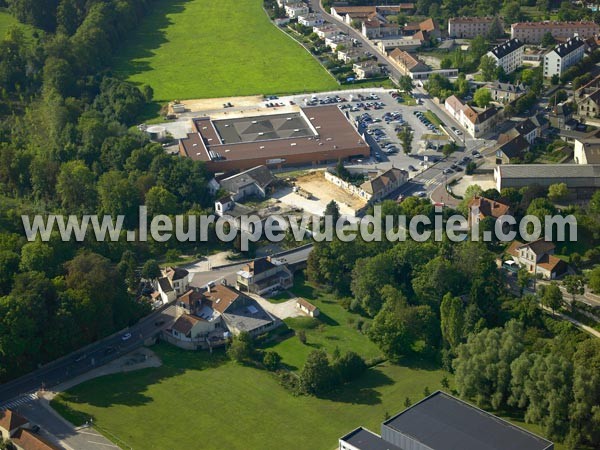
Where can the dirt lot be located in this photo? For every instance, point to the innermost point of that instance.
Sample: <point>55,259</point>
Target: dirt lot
<point>210,104</point>
<point>317,185</point>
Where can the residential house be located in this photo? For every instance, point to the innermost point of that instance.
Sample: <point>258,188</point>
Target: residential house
<point>338,41</point>
<point>208,316</point>
<point>376,188</point>
<point>431,27</point>
<point>264,275</point>
<point>382,185</point>
<point>173,282</point>
<point>508,55</point>
<point>538,258</point>
<point>506,92</point>
<point>476,121</point>
<point>307,308</point>
<point>561,117</point>
<point>587,99</point>
<point>311,20</point>
<point>563,56</point>
<point>350,55</point>
<point>511,149</point>
<point>533,32</point>
<point>327,30</point>
<point>471,27</point>
<point>10,423</point>
<point>25,439</point>
<point>375,28</point>
<point>443,422</point>
<point>293,10</point>
<point>366,69</point>
<point>481,208</point>
<point>251,182</point>
<point>409,65</point>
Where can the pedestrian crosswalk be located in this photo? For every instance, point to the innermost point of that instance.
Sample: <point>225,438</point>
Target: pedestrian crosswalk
<point>19,401</point>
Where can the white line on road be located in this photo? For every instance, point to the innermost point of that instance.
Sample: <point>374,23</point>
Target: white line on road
<point>102,443</point>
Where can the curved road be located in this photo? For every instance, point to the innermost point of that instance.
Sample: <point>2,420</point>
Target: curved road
<point>112,347</point>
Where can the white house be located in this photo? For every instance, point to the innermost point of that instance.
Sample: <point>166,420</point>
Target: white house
<point>509,55</point>
<point>311,20</point>
<point>563,56</point>
<point>476,121</point>
<point>294,10</point>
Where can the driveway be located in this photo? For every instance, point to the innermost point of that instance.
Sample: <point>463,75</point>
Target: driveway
<point>281,310</point>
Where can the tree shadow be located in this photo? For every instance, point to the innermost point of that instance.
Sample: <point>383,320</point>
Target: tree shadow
<point>363,390</point>
<point>324,318</point>
<point>149,36</point>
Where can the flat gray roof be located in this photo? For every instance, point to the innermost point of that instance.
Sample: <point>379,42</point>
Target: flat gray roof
<point>443,422</point>
<point>261,128</point>
<point>366,440</point>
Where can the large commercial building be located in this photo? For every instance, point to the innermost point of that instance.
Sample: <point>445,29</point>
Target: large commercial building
<point>533,32</point>
<point>471,27</point>
<point>509,55</point>
<point>303,136</point>
<point>563,56</point>
<point>443,422</point>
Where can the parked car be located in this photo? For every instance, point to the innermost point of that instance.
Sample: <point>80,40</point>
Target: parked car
<point>126,337</point>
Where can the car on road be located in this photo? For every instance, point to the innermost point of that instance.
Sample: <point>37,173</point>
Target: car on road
<point>159,323</point>
<point>458,132</point>
<point>412,168</point>
<point>420,194</point>
<point>35,429</point>
<point>447,171</point>
<point>110,350</point>
<point>126,337</point>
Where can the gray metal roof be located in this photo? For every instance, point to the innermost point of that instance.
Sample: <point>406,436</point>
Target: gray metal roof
<point>569,46</point>
<point>364,439</point>
<point>443,422</point>
<point>550,171</point>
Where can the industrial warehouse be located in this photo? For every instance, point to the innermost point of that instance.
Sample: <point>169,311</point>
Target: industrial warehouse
<point>300,137</point>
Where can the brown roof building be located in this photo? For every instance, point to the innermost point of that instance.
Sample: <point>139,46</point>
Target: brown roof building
<point>482,207</point>
<point>10,422</point>
<point>316,135</point>
<point>537,257</point>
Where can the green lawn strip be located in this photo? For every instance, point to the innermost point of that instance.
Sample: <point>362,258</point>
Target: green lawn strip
<point>190,402</point>
<point>183,51</point>
<point>433,118</point>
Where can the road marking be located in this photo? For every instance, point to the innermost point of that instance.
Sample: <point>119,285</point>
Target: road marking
<point>22,400</point>
<point>102,443</point>
<point>87,432</point>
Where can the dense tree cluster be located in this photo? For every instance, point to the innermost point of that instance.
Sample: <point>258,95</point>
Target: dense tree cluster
<point>66,148</point>
<point>555,383</point>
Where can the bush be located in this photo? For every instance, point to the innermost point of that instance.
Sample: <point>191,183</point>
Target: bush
<point>271,360</point>
<point>470,168</point>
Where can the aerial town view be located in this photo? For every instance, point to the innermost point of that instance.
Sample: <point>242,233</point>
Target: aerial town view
<point>312,224</point>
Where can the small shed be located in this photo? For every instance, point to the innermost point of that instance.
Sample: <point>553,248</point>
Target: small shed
<point>306,307</point>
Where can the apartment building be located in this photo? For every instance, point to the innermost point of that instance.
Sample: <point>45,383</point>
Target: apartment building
<point>533,32</point>
<point>563,56</point>
<point>471,27</point>
<point>509,55</point>
<point>506,92</point>
<point>476,121</point>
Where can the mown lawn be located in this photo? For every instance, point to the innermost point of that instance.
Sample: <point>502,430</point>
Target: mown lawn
<point>201,49</point>
<point>335,327</point>
<point>196,400</point>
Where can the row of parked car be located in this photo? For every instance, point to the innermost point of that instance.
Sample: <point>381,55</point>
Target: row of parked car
<point>425,121</point>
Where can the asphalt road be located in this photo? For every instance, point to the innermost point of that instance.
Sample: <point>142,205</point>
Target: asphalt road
<point>111,347</point>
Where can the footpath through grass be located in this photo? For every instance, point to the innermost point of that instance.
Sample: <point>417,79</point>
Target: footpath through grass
<point>189,49</point>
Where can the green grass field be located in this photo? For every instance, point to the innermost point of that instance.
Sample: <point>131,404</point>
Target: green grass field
<point>194,402</point>
<point>201,49</point>
<point>7,21</point>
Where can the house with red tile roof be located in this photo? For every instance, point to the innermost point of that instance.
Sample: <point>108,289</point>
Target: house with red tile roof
<point>538,258</point>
